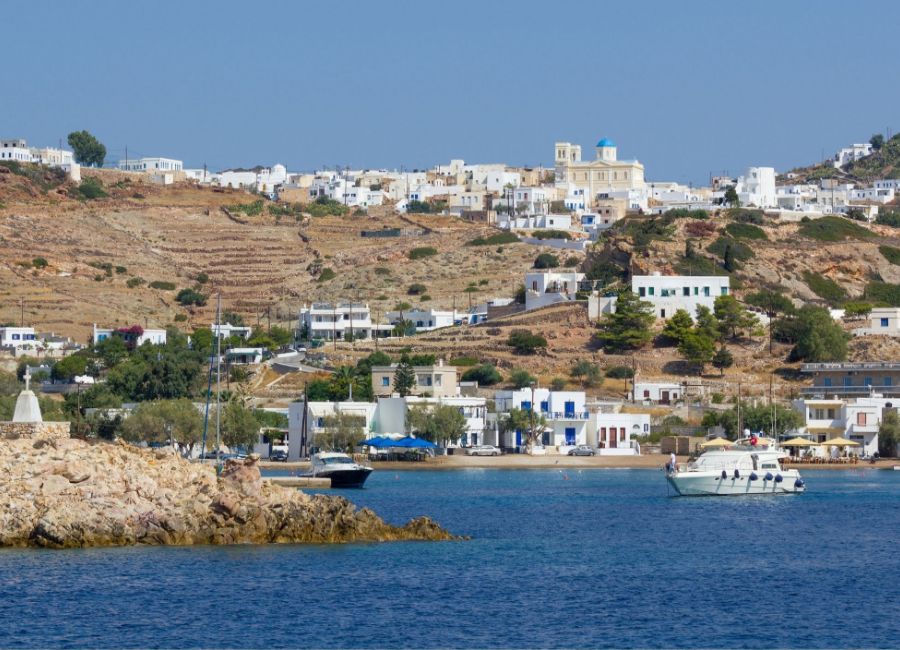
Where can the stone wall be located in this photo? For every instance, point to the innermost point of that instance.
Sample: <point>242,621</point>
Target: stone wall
<point>13,430</point>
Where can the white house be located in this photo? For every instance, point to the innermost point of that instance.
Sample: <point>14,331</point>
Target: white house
<point>668,293</point>
<point>16,149</point>
<point>227,330</point>
<point>533,200</point>
<point>852,153</point>
<point>315,426</point>
<point>244,356</point>
<point>427,319</point>
<point>537,221</point>
<point>658,392</point>
<point>550,287</point>
<point>882,321</point>
<point>52,157</point>
<point>18,337</point>
<point>565,414</point>
<point>134,335</point>
<point>757,187</point>
<point>855,419</point>
<point>324,320</point>
<point>151,165</point>
<point>612,433</point>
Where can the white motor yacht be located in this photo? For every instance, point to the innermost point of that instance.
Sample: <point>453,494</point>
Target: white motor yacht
<point>343,471</point>
<point>744,468</point>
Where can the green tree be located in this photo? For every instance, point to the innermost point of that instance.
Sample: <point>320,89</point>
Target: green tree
<point>732,316</point>
<point>557,384</point>
<point>722,359</point>
<point>111,351</point>
<point>628,328</point>
<point>520,378</point>
<point>190,297</point>
<point>877,141</point>
<point>485,374</point>
<point>707,324</point>
<point>818,337</point>
<point>239,426</point>
<point>588,373</point>
<point>546,261</point>
<point>731,197</point>
<point>698,349</point>
<point>175,420</point>
<point>404,377</point>
<point>318,390</point>
<point>765,418</point>
<point>525,341</point>
<point>441,424</point>
<point>773,303</point>
<point>342,431</point>
<point>889,434</point>
<point>154,372</point>
<point>728,262</point>
<point>66,369</point>
<point>678,326</point>
<point>88,150</point>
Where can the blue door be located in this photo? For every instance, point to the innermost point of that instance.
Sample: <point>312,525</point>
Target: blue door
<point>570,435</point>
<point>526,406</point>
<point>570,409</point>
<point>518,438</point>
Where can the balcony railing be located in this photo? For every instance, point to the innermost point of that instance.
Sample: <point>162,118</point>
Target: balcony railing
<point>850,390</point>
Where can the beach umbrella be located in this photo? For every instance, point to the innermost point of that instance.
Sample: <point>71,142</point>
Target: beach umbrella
<point>378,443</point>
<point>840,442</point>
<point>799,442</point>
<point>717,442</point>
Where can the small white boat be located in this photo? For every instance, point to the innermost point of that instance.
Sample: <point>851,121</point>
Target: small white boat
<point>744,468</point>
<point>343,471</point>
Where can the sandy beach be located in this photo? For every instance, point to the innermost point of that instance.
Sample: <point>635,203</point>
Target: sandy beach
<point>524,461</point>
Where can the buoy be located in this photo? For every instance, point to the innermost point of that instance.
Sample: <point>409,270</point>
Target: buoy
<point>779,478</point>
<point>798,483</point>
<point>724,474</point>
<point>768,476</point>
<point>753,476</point>
<point>737,473</point>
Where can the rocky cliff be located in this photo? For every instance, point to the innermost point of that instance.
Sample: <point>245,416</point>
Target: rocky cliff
<point>63,493</point>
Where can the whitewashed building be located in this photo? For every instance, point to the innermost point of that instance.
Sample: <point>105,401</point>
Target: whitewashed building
<point>15,149</point>
<point>427,319</point>
<point>565,414</point>
<point>883,321</point>
<point>612,434</point>
<point>227,330</point>
<point>18,337</point>
<point>151,165</point>
<point>550,287</point>
<point>669,293</point>
<point>657,392</point>
<point>326,320</point>
<point>851,154</point>
<point>855,419</point>
<point>133,336</point>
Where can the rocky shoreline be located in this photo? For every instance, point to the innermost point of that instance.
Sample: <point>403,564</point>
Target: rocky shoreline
<point>67,493</point>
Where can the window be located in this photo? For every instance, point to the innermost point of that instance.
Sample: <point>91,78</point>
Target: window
<point>696,291</point>
<point>686,291</point>
<point>724,291</point>
<point>642,292</point>
<point>884,322</point>
<point>385,381</point>
<point>706,291</point>
<point>848,381</point>
<point>867,381</point>
<point>621,434</point>
<point>826,382</point>
<point>15,337</point>
<point>437,380</point>
<point>861,419</point>
<point>651,290</point>
<point>888,381</point>
<point>662,313</point>
<point>545,406</point>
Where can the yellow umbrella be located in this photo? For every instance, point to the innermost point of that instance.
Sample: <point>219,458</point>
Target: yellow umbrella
<point>840,442</point>
<point>799,442</point>
<point>717,442</point>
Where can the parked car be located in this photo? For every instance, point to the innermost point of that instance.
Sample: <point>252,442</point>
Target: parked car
<point>582,450</point>
<point>483,450</point>
<point>279,456</point>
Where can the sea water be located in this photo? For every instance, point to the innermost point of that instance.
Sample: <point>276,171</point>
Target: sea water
<point>557,558</point>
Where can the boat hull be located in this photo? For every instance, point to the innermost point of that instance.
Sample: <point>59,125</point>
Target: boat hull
<point>347,478</point>
<point>712,484</point>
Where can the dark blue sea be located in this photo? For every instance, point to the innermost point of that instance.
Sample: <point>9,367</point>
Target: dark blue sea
<point>593,558</point>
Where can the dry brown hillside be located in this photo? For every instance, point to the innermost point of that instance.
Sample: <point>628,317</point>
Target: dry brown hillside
<point>260,265</point>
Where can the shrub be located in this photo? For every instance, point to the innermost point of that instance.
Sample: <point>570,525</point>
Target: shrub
<point>572,260</point>
<point>833,229</point>
<point>381,270</point>
<point>890,253</point>
<point>826,288</point>
<point>546,261</point>
<point>121,270</point>
<point>493,240</point>
<point>551,234</point>
<point>684,213</point>
<point>162,285</point>
<point>520,378</point>
<point>464,362</point>
<point>745,231</point>
<point>131,283</point>
<point>416,289</point>
<point>250,209</point>
<point>90,189</point>
<point>39,263</point>
<point>483,282</point>
<point>557,384</point>
<point>180,318</point>
<point>324,207</point>
<point>856,308</point>
<point>202,278</point>
<point>421,252</point>
<point>718,398</point>
<point>486,375</point>
<point>425,298</point>
<point>700,228</point>
<point>888,219</point>
<point>525,341</point>
<point>745,215</point>
<point>883,292</point>
<point>739,251</point>
<point>326,274</point>
<point>425,207</point>
<point>620,372</point>
<point>190,297</point>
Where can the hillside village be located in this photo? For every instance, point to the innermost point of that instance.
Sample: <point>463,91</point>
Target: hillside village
<point>530,309</point>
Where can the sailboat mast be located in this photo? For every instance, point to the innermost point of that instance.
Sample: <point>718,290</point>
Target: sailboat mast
<point>218,378</point>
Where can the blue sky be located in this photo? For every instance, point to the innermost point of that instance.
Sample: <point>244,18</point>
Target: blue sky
<point>688,88</point>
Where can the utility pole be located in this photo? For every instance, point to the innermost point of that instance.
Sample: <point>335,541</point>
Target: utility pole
<point>334,325</point>
<point>739,420</point>
<point>21,312</point>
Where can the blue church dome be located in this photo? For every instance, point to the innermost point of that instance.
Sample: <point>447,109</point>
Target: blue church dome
<point>606,142</point>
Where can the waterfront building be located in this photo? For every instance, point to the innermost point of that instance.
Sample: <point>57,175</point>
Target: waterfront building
<point>852,379</point>
<point>612,434</point>
<point>565,414</point>
<point>856,419</point>
<point>150,165</point>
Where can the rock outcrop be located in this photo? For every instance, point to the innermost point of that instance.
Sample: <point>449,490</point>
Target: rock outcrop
<point>63,493</point>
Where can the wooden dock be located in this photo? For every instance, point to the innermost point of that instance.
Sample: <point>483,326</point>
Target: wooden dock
<point>299,481</point>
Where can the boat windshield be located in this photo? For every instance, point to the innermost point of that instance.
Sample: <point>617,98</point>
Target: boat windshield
<point>337,460</point>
